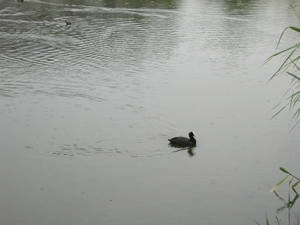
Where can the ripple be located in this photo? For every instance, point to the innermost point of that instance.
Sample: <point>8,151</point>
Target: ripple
<point>89,150</point>
<point>40,55</point>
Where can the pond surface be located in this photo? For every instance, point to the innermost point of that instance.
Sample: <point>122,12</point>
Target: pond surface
<point>86,110</point>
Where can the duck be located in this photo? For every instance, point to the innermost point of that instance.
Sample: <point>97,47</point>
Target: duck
<point>183,141</point>
<point>68,23</point>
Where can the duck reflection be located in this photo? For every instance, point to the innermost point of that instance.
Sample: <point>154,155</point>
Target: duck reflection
<point>190,149</point>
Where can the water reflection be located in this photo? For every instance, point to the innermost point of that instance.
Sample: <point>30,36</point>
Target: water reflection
<point>169,4</point>
<point>288,204</point>
<point>238,7</point>
<point>190,150</point>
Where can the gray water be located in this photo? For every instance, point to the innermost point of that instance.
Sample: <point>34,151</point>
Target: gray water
<point>86,111</point>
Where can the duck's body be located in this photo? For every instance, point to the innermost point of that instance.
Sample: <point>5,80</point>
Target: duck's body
<point>183,141</point>
<point>68,23</point>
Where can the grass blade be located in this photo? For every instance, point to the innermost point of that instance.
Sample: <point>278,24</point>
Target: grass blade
<point>295,28</point>
<point>294,76</point>
<point>279,183</point>
<point>267,220</point>
<point>284,170</point>
<point>278,112</point>
<point>295,184</point>
<point>291,204</point>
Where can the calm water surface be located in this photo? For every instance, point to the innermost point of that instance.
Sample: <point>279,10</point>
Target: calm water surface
<point>86,111</point>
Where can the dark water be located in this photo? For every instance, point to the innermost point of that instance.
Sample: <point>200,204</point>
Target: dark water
<point>87,108</point>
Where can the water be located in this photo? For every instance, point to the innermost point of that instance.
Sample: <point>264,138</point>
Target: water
<point>86,111</point>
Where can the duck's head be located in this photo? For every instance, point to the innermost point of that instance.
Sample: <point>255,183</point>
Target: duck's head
<point>192,134</point>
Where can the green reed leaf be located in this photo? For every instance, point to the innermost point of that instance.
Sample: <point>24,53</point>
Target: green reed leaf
<point>291,204</point>
<point>295,184</point>
<point>279,183</point>
<point>297,29</point>
<point>284,170</point>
